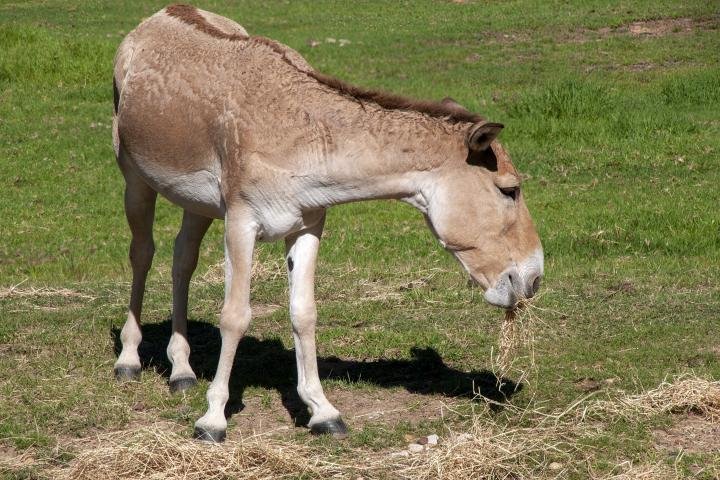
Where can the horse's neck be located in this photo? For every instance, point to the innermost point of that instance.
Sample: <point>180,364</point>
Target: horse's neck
<point>391,154</point>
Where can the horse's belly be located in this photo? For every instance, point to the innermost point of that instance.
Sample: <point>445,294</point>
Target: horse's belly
<point>198,192</point>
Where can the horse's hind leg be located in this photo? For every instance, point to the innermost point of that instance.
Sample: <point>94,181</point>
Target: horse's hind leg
<point>140,213</point>
<point>185,257</point>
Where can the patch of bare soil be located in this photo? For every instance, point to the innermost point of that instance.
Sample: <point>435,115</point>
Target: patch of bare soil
<point>667,26</point>
<point>641,66</point>
<point>12,460</point>
<point>692,434</point>
<point>391,407</point>
<point>647,28</point>
<point>267,414</point>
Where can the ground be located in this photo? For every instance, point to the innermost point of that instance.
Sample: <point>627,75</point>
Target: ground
<point>610,112</point>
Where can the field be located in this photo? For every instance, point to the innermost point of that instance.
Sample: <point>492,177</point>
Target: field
<point>610,112</point>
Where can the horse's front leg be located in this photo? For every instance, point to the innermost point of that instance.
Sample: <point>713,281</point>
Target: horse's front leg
<point>240,232</point>
<point>301,252</point>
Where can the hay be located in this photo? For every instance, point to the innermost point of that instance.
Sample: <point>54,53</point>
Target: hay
<point>521,443</point>
<point>645,472</point>
<point>15,291</point>
<point>516,352</point>
<point>261,271</point>
<point>490,451</point>
<point>156,453</point>
<point>686,393</point>
<point>538,444</point>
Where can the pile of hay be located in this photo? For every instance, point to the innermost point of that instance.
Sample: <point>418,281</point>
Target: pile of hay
<point>533,443</point>
<point>487,451</point>
<point>159,453</point>
<point>685,394</point>
<point>491,451</point>
<point>529,443</point>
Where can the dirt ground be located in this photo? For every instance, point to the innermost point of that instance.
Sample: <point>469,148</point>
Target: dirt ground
<point>649,28</point>
<point>691,434</point>
<point>386,408</point>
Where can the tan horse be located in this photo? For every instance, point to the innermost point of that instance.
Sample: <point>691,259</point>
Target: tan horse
<point>231,126</point>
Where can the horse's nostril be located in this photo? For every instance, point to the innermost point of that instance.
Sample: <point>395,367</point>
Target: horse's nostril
<point>536,285</point>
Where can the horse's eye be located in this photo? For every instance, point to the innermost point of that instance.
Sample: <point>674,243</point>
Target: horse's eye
<point>510,192</point>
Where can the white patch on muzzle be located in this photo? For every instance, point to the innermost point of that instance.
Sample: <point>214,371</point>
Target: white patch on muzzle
<point>517,282</point>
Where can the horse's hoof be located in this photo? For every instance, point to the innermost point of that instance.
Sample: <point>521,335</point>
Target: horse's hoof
<point>336,428</point>
<point>181,384</point>
<point>126,374</point>
<point>212,436</point>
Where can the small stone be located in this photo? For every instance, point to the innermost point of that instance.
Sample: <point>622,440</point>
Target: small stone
<point>432,439</point>
<point>555,466</point>
<point>422,441</point>
<point>415,448</point>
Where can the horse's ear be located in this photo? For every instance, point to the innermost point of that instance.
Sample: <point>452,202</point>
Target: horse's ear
<point>480,136</point>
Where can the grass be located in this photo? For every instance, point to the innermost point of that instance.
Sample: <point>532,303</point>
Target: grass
<point>617,135</point>
<point>490,449</point>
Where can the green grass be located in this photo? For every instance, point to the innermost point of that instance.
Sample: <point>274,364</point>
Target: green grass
<point>622,174</point>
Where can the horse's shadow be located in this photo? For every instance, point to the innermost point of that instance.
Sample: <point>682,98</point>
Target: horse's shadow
<point>268,364</point>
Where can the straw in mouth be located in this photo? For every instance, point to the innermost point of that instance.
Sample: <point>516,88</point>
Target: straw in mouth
<point>516,341</point>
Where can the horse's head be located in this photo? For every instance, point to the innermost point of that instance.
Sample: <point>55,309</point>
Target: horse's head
<point>477,210</point>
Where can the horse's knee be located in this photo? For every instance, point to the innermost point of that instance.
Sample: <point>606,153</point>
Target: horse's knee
<point>235,320</point>
<point>303,316</point>
<point>141,254</point>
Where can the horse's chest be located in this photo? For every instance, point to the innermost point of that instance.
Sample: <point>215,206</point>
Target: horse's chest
<point>278,223</point>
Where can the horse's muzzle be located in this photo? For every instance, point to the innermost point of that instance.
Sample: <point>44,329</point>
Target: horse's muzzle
<point>517,282</point>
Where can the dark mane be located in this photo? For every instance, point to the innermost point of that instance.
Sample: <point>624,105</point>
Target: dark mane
<point>189,15</point>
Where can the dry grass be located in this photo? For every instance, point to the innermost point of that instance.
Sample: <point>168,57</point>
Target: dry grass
<point>492,451</point>
<point>644,472</point>
<point>516,352</point>
<point>547,445</point>
<point>49,299</point>
<point>686,393</point>
<point>15,291</point>
<point>261,271</point>
<point>528,443</point>
<point>159,453</point>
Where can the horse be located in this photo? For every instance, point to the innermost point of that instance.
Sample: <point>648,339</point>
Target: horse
<point>241,128</point>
